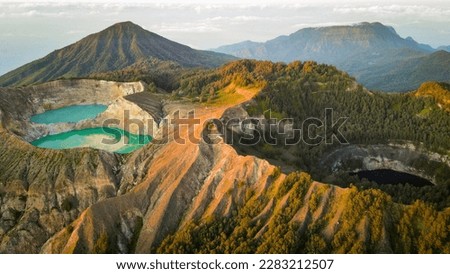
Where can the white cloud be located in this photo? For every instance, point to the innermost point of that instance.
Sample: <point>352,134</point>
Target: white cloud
<point>7,34</point>
<point>397,10</point>
<point>72,32</point>
<point>238,19</point>
<point>321,24</point>
<point>33,13</point>
<point>195,27</point>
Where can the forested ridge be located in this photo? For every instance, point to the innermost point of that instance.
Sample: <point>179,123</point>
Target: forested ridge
<point>301,90</point>
<point>304,89</point>
<point>359,221</point>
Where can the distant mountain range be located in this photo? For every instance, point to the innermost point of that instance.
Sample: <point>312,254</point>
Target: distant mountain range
<point>372,52</point>
<point>114,48</point>
<point>446,48</point>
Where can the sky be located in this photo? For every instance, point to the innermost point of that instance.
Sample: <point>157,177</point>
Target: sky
<point>32,29</point>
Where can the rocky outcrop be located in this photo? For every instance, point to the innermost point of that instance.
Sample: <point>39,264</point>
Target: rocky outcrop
<point>398,157</point>
<point>43,191</point>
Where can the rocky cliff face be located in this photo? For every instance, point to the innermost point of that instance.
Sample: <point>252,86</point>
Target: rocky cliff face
<point>43,191</point>
<point>402,158</point>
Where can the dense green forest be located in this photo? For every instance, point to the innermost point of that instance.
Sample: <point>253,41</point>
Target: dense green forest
<point>383,226</point>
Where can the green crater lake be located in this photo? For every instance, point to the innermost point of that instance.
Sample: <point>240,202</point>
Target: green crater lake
<point>105,138</point>
<point>69,114</point>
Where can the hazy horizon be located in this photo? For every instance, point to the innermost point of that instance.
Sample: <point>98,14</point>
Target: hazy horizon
<point>30,30</point>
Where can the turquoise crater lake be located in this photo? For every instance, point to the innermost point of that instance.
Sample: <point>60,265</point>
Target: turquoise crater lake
<point>105,138</point>
<point>69,114</point>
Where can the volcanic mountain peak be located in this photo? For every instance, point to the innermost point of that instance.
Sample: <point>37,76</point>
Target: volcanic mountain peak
<point>126,30</point>
<point>125,26</point>
<point>113,48</point>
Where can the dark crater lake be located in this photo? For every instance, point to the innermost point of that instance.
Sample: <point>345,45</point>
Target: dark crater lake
<point>391,177</point>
